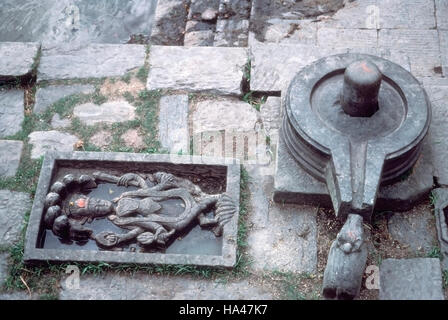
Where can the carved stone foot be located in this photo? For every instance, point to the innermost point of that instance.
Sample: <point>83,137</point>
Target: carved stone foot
<point>346,261</point>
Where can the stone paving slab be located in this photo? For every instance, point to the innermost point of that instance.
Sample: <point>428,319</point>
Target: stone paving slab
<point>422,47</point>
<point>406,14</point>
<point>173,123</point>
<point>3,267</point>
<point>11,112</point>
<point>437,90</point>
<point>17,59</point>
<point>197,69</point>
<point>53,140</point>
<point>346,38</point>
<point>169,22</point>
<point>152,287</point>
<point>442,14</point>
<point>443,37</point>
<point>13,206</point>
<point>281,237</point>
<point>72,61</point>
<point>10,157</point>
<point>414,229</point>
<point>290,31</point>
<point>411,279</point>
<point>46,96</point>
<point>108,112</point>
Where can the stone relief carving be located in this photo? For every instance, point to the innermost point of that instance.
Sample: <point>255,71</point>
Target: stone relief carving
<point>137,212</point>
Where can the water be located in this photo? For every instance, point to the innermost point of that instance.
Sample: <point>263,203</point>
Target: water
<point>96,21</point>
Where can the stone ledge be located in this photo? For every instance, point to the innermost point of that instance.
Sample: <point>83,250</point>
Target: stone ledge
<point>17,59</point>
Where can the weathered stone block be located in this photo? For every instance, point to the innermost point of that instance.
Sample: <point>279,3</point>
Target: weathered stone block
<point>11,112</point>
<point>17,59</point>
<point>108,112</point>
<point>69,61</point>
<point>199,38</point>
<point>10,157</point>
<point>13,206</point>
<point>207,69</point>
<point>169,23</point>
<point>231,33</point>
<point>46,96</point>
<point>43,141</point>
<point>421,46</point>
<point>406,14</point>
<point>411,279</point>
<point>173,123</point>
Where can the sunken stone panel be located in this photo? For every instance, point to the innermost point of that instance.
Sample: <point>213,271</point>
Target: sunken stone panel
<point>213,175</point>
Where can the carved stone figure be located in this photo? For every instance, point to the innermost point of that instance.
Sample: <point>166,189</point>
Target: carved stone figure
<point>138,211</point>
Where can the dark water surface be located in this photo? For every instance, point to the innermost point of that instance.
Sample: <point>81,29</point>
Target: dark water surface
<point>97,21</point>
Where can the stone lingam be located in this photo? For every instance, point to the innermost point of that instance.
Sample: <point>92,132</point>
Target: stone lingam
<point>135,208</point>
<point>355,123</point>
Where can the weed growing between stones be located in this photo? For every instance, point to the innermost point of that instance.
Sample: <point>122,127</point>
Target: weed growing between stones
<point>434,252</point>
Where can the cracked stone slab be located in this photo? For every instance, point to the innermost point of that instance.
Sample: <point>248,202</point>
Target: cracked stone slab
<point>71,61</point>
<point>414,229</point>
<point>422,47</point>
<point>10,157</point>
<point>11,112</point>
<point>108,112</point>
<point>17,59</point>
<point>411,279</point>
<point>13,206</point>
<point>173,123</point>
<point>437,90</point>
<point>288,242</point>
<point>197,69</point>
<point>46,96</point>
<point>150,287</point>
<point>53,140</point>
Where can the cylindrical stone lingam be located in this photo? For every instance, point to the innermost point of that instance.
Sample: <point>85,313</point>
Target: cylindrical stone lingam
<point>362,81</point>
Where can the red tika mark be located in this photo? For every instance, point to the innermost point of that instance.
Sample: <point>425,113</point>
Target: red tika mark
<point>81,203</point>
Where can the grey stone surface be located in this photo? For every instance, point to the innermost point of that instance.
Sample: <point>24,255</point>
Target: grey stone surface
<point>422,47</point>
<point>411,279</point>
<point>270,113</point>
<point>441,213</point>
<point>53,140</point>
<point>443,36</point>
<point>198,7</point>
<point>288,31</point>
<point>231,32</point>
<point>58,123</point>
<point>70,61</point>
<point>437,90</point>
<point>294,185</point>
<point>150,287</point>
<point>100,21</point>
<point>235,8</point>
<point>136,161</point>
<point>169,23</point>
<point>207,69</point>
<point>13,206</point>
<point>17,58</point>
<point>11,111</point>
<point>406,14</point>
<point>281,237</point>
<point>19,295</point>
<point>46,96</point>
<point>199,38</point>
<point>10,157</point>
<point>414,229</point>
<point>223,114</point>
<point>108,112</point>
<point>3,267</point>
<point>173,123</point>
<point>346,38</point>
<point>441,14</point>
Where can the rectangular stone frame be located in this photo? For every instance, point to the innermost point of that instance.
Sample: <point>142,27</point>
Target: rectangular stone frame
<point>229,243</point>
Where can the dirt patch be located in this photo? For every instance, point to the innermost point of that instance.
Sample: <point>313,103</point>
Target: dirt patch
<point>114,89</point>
